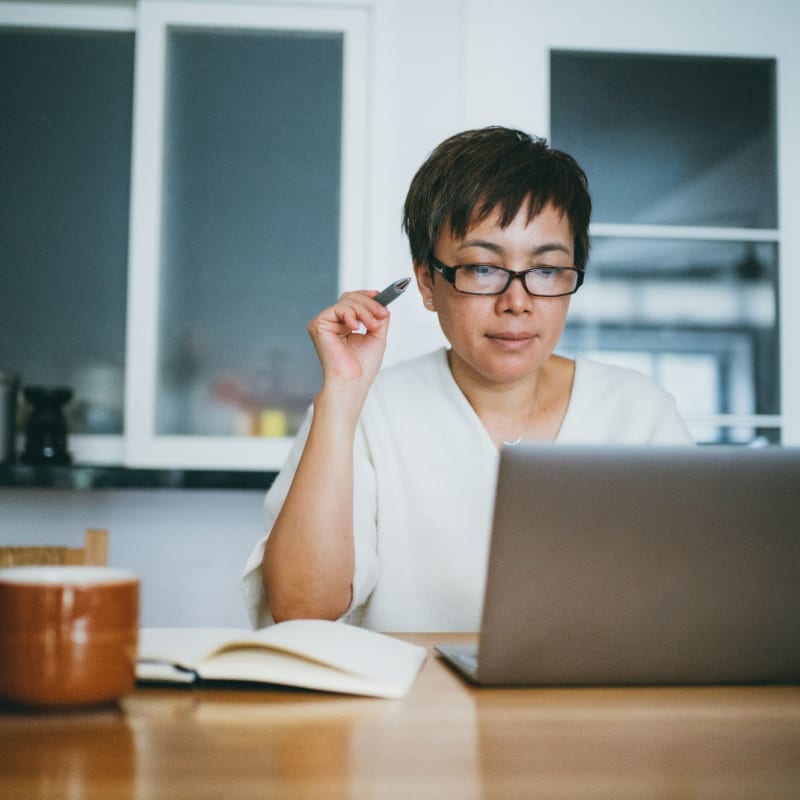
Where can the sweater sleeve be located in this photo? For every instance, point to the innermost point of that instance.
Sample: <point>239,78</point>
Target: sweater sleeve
<point>364,518</point>
<point>252,585</point>
<point>615,405</point>
<point>668,425</point>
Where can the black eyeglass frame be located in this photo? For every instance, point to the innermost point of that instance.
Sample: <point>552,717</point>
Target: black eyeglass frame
<point>449,274</point>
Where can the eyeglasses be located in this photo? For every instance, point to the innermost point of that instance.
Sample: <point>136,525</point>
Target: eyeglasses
<point>544,281</point>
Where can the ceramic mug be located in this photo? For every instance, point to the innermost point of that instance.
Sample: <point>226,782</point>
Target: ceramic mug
<point>68,635</point>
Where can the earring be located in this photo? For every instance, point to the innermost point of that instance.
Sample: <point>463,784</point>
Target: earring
<point>429,302</point>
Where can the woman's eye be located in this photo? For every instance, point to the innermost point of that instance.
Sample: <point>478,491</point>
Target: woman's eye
<point>481,270</point>
<point>546,272</point>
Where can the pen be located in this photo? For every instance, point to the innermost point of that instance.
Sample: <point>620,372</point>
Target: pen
<point>392,291</point>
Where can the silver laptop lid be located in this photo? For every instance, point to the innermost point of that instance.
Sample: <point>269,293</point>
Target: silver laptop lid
<point>643,565</point>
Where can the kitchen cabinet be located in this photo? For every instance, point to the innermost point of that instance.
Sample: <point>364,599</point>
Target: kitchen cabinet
<point>240,175</point>
<point>685,257</point>
<point>248,142</point>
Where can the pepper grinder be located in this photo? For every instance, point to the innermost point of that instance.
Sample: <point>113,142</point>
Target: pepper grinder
<point>46,431</point>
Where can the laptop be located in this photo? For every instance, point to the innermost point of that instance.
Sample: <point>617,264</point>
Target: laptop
<point>641,565</point>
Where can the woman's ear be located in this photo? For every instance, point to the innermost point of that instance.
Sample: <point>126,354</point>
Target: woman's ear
<point>425,284</point>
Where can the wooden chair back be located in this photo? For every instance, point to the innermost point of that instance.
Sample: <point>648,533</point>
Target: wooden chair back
<point>93,553</point>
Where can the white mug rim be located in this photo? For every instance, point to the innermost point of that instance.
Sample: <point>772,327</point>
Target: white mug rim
<point>66,575</point>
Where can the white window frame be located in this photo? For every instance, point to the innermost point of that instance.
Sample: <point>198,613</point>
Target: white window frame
<point>143,446</point>
<point>507,64</point>
<point>75,16</point>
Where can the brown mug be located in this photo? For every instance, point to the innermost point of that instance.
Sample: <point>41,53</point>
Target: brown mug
<point>68,635</point>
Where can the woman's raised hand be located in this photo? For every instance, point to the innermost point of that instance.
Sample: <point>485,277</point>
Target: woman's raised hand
<point>350,339</point>
<point>309,558</point>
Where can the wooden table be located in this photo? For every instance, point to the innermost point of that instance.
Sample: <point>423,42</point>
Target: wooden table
<point>445,740</point>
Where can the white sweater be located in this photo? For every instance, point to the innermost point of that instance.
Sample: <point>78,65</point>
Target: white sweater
<point>425,474</point>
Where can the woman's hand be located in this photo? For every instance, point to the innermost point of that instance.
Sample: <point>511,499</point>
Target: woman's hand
<point>350,339</point>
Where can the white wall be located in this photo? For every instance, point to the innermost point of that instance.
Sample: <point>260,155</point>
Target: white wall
<point>417,98</point>
<point>188,547</point>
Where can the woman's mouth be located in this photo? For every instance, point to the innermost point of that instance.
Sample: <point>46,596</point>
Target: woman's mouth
<point>512,336</point>
<point>511,339</point>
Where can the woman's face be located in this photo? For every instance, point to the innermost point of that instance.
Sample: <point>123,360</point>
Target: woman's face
<point>505,338</point>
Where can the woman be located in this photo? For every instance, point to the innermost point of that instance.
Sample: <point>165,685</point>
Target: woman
<point>381,514</point>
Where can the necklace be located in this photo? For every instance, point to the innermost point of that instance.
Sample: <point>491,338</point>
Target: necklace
<point>518,439</point>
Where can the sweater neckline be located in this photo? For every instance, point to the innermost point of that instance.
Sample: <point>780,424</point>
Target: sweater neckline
<point>460,398</point>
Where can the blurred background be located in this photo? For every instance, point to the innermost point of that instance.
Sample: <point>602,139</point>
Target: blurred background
<point>183,185</point>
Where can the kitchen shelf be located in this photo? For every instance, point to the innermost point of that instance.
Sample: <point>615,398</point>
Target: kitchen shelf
<point>24,476</point>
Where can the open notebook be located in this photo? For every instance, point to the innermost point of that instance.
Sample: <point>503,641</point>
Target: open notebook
<point>641,566</point>
<point>311,654</point>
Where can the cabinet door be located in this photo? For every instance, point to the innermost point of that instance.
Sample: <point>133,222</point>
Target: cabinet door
<point>683,281</point>
<point>247,208</point>
<point>66,90</point>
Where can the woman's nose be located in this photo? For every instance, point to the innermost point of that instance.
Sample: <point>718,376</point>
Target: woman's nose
<point>515,299</point>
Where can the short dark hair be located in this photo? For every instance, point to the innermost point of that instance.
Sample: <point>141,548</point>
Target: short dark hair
<point>475,173</point>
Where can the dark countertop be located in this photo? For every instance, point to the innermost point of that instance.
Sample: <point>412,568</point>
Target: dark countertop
<point>94,477</point>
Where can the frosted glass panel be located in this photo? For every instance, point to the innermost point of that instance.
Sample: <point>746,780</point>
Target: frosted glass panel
<point>251,227</point>
<point>65,139</point>
<point>670,140</point>
<point>699,316</point>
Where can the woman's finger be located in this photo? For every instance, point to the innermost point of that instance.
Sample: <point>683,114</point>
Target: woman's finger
<point>355,309</point>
